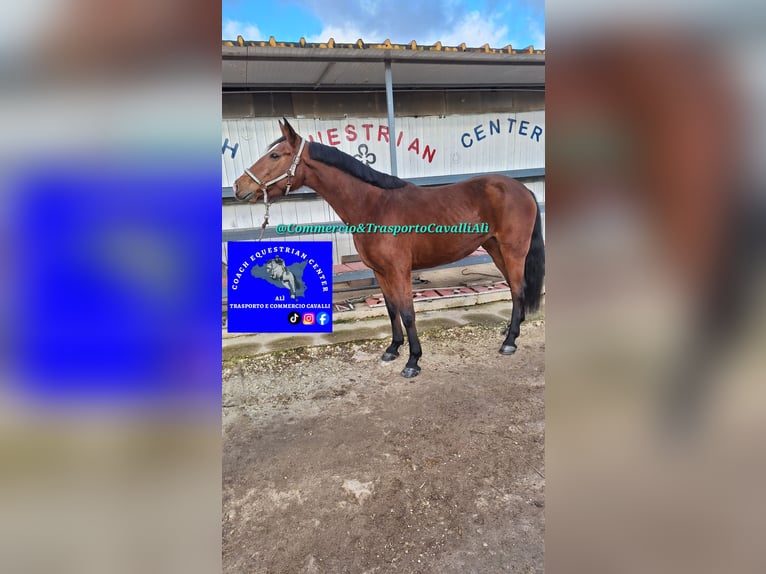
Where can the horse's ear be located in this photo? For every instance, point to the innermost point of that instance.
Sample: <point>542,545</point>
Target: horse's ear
<point>288,132</point>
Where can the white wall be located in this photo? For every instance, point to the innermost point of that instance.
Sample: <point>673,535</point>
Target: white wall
<point>431,145</point>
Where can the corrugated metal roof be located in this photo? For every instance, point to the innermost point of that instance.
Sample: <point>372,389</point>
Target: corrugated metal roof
<point>386,45</point>
<point>330,65</point>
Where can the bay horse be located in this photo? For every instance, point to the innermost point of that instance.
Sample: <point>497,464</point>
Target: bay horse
<point>362,195</point>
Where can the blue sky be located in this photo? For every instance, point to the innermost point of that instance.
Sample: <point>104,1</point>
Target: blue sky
<point>475,22</point>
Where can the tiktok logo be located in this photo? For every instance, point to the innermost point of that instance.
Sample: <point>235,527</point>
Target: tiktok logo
<point>294,318</point>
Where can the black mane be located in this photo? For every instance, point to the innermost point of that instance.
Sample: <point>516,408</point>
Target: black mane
<point>275,142</point>
<point>344,162</point>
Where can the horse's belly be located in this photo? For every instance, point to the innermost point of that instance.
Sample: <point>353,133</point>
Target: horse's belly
<point>448,250</point>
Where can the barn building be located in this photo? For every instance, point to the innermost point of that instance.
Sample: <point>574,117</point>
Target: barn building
<point>428,114</point>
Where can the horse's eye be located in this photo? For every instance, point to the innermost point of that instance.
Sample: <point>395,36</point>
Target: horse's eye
<point>274,156</point>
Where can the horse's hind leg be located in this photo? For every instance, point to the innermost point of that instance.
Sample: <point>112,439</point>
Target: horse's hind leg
<point>510,259</point>
<point>407,311</point>
<point>396,326</point>
<point>493,248</point>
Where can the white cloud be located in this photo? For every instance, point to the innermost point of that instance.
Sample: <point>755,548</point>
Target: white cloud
<point>344,34</point>
<point>404,20</point>
<point>537,34</point>
<point>475,30</point>
<point>234,28</point>
<point>369,6</point>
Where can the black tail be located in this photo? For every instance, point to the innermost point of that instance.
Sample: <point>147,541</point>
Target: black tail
<point>534,268</point>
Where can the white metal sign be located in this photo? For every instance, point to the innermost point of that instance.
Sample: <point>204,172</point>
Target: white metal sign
<point>425,146</point>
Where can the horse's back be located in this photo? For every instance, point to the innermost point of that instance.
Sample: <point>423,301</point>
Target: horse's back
<point>502,194</point>
<point>474,188</point>
<point>497,183</point>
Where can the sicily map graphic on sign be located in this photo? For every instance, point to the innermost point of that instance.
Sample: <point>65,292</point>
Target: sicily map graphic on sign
<point>280,287</point>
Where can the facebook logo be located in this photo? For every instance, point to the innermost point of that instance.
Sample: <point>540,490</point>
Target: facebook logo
<point>323,318</point>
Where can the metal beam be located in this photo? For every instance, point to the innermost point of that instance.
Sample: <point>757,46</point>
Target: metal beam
<point>323,74</point>
<point>391,128</point>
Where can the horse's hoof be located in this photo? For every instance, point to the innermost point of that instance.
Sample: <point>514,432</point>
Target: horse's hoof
<point>507,349</point>
<point>410,372</point>
<point>389,356</point>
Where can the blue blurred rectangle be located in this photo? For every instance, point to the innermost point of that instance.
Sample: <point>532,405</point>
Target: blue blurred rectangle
<point>114,282</point>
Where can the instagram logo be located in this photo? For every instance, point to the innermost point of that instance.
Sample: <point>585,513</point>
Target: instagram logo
<point>323,318</point>
<point>308,318</point>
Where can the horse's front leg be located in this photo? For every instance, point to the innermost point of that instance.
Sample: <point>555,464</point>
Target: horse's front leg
<point>392,352</point>
<point>400,284</point>
<point>397,336</point>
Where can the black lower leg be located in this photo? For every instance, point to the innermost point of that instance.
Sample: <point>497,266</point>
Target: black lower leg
<point>411,369</point>
<point>517,316</point>
<point>392,352</point>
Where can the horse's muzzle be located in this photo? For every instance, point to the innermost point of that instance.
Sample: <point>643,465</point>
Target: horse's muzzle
<point>239,196</point>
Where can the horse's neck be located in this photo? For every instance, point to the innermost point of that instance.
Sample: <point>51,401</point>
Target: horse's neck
<point>351,198</point>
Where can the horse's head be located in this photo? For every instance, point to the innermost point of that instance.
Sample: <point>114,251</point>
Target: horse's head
<point>276,172</point>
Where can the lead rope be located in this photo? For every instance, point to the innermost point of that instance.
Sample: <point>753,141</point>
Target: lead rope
<point>266,215</point>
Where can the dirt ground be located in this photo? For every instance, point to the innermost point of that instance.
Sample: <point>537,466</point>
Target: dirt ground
<point>333,463</point>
